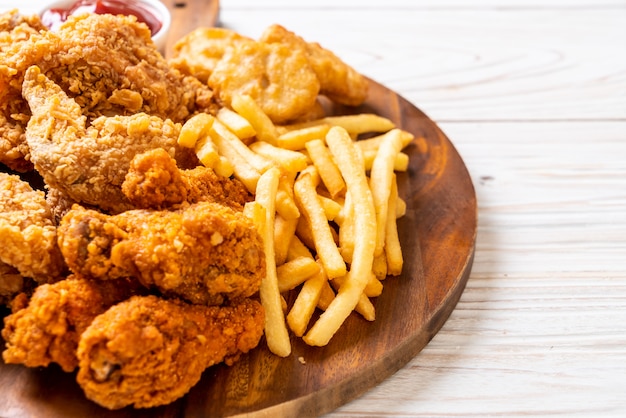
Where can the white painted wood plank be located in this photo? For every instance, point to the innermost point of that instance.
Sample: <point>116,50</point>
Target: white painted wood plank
<point>541,327</point>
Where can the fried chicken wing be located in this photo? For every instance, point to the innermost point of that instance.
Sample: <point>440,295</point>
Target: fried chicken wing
<point>29,240</point>
<point>88,163</point>
<point>46,329</point>
<point>148,351</point>
<point>154,181</point>
<point>203,253</point>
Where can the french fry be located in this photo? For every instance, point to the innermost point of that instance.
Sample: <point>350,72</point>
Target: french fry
<point>326,167</point>
<point>259,162</point>
<point>296,139</point>
<point>312,210</point>
<point>207,151</point>
<point>297,249</point>
<point>304,305</point>
<point>380,183</point>
<point>275,326</point>
<point>400,208</point>
<point>284,231</point>
<point>347,234</point>
<point>252,112</point>
<point>344,152</point>
<point>331,207</point>
<point>326,297</point>
<point>195,128</point>
<point>401,162</point>
<point>361,123</point>
<point>294,272</point>
<point>379,266</point>
<point>285,203</point>
<point>236,123</point>
<point>242,169</point>
<point>291,161</point>
<point>393,250</point>
<point>372,144</point>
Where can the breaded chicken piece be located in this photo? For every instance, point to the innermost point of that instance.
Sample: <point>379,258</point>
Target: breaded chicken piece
<point>46,328</point>
<point>338,81</point>
<point>28,236</point>
<point>88,163</point>
<point>279,78</point>
<point>155,182</point>
<point>203,253</point>
<point>148,351</point>
<point>15,29</point>
<point>108,64</point>
<point>198,52</point>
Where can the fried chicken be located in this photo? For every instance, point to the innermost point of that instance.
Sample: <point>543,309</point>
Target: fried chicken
<point>88,163</point>
<point>15,29</point>
<point>108,64</point>
<point>148,351</point>
<point>46,328</point>
<point>155,182</point>
<point>28,235</point>
<point>203,253</point>
<point>338,81</point>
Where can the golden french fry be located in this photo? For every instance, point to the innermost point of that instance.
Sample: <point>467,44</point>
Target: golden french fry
<point>242,169</point>
<point>380,183</point>
<point>373,288</point>
<point>379,267</point>
<point>252,112</point>
<point>331,207</point>
<point>207,151</point>
<point>223,167</point>
<point>295,272</point>
<point>285,203</point>
<point>400,208</point>
<point>284,230</point>
<point>296,139</point>
<point>326,167</point>
<point>304,305</point>
<point>291,161</point>
<point>326,297</point>
<point>365,307</point>
<point>401,162</point>
<point>344,152</point>
<point>361,123</point>
<point>297,249</point>
<point>347,234</point>
<point>393,250</point>
<point>196,127</point>
<point>236,123</point>
<point>259,162</point>
<point>372,144</point>
<point>311,209</point>
<point>276,332</point>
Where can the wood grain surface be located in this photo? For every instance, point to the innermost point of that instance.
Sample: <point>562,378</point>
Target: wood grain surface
<point>438,236</point>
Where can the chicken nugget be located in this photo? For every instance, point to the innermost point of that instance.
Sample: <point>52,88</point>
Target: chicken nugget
<point>279,78</point>
<point>338,81</point>
<point>198,52</point>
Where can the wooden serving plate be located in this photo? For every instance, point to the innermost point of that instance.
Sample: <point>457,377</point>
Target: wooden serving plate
<point>438,236</point>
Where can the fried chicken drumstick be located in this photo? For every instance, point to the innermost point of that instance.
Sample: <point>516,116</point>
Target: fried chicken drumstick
<point>46,328</point>
<point>148,351</point>
<point>203,253</point>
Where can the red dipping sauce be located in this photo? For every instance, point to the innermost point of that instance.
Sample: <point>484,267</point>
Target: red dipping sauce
<point>54,17</point>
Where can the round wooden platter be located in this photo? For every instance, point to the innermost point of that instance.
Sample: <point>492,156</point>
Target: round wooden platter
<point>438,237</point>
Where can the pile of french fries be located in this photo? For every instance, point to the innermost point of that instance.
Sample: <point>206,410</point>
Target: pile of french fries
<point>326,205</point>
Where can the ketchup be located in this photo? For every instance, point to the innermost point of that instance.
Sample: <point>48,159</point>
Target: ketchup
<point>53,18</point>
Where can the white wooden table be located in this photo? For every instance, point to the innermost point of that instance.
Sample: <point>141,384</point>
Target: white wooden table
<point>533,95</point>
<point>534,98</point>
